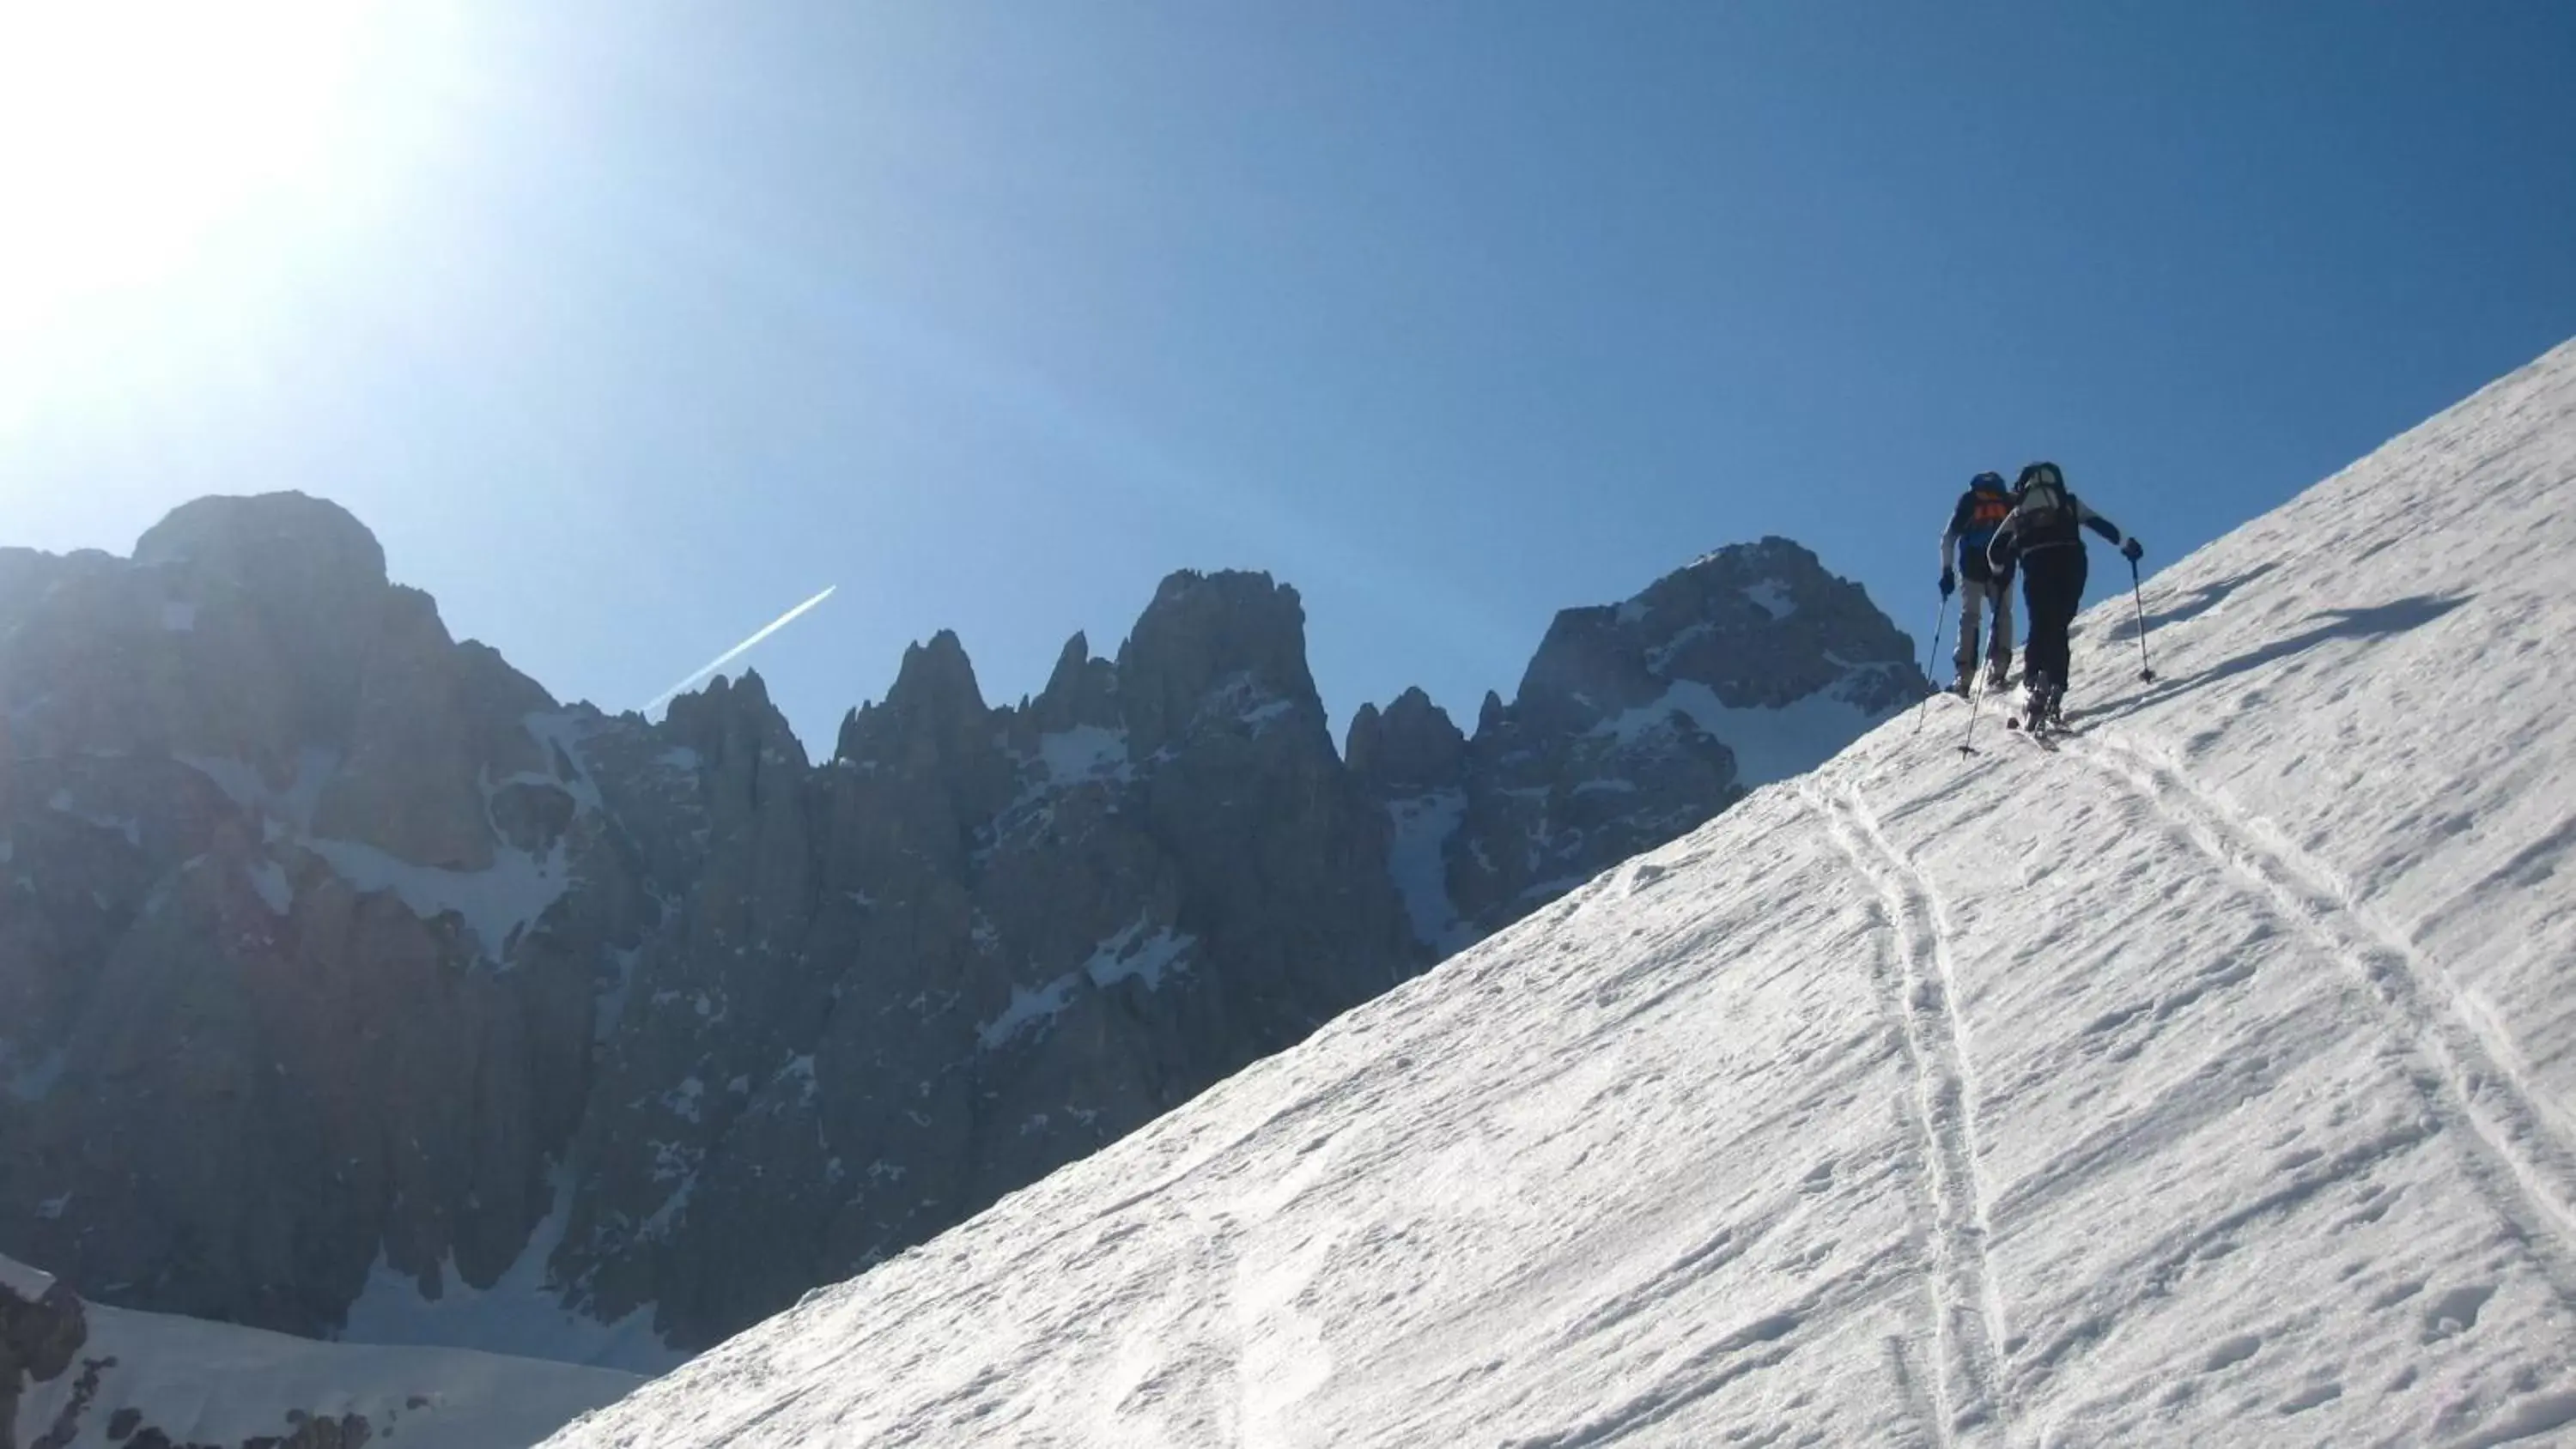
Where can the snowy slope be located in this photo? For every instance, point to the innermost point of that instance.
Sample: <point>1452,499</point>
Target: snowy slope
<point>2208,1081</point>
<point>214,1383</point>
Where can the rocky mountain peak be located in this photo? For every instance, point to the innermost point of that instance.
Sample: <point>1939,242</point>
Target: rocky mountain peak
<point>1226,647</point>
<point>733,720</point>
<point>1757,626</point>
<point>1635,722</point>
<point>287,544</point>
<point>932,723</point>
<point>1413,745</point>
<point>1081,691</point>
<point>936,680</point>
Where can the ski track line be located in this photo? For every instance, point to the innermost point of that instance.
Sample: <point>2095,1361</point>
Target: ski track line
<point>1961,1060</point>
<point>1967,1317</point>
<point>2477,1063</point>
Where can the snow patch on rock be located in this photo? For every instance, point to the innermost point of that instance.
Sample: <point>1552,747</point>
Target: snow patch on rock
<point>1138,955</point>
<point>495,904</point>
<point>1772,598</point>
<point>1770,743</point>
<point>1418,857</point>
<point>1080,755</point>
<point>63,803</point>
<point>1029,1010</point>
<point>268,878</point>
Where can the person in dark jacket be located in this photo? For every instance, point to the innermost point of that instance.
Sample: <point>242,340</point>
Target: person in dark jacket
<point>2043,536</point>
<point>1973,521</point>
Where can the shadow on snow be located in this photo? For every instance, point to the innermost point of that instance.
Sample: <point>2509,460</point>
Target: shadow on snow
<point>2192,605</point>
<point>2377,621</point>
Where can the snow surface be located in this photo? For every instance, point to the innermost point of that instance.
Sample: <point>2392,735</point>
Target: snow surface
<point>2209,1080</point>
<point>204,1382</point>
<point>29,1284</point>
<point>1418,856</point>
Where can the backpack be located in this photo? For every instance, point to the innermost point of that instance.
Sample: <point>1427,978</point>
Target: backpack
<point>2045,507</point>
<point>1987,511</point>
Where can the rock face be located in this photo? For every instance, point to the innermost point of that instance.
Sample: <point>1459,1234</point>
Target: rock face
<point>349,983</point>
<point>1635,724</point>
<point>976,944</point>
<point>42,1328</point>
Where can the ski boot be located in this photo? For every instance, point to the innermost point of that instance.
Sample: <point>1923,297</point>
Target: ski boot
<point>2048,708</point>
<point>2030,707</point>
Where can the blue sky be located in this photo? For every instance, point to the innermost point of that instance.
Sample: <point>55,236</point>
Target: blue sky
<point>631,325</point>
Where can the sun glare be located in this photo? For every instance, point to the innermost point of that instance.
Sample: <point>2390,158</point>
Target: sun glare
<point>133,131</point>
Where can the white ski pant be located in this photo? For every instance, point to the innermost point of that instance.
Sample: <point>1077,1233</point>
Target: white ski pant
<point>1974,595</point>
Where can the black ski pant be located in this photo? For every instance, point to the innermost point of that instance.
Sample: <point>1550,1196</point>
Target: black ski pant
<point>2052,588</point>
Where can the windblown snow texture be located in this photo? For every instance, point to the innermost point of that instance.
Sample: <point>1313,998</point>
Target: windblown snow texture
<point>2209,1081</point>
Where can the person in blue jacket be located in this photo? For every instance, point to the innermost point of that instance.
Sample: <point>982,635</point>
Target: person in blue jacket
<point>2043,537</point>
<point>1973,521</point>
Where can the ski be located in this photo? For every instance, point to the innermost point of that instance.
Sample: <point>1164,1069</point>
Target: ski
<point>2042,735</point>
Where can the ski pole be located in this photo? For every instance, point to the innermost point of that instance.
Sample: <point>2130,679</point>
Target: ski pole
<point>1940,621</point>
<point>1976,698</point>
<point>2137,592</point>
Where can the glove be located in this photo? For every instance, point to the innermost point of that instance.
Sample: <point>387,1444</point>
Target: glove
<point>2133,550</point>
<point>1949,583</point>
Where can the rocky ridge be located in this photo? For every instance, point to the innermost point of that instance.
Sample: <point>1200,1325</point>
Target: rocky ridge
<point>349,983</point>
<point>1635,724</point>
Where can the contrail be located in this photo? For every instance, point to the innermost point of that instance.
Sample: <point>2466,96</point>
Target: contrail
<point>739,650</point>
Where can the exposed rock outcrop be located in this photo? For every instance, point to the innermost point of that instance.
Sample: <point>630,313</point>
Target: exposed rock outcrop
<point>42,1329</point>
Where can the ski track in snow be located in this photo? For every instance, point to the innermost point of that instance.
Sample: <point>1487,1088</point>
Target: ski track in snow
<point>2479,1071</point>
<point>1967,1306</point>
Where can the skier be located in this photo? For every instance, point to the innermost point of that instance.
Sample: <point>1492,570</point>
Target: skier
<point>1973,521</point>
<point>2042,535</point>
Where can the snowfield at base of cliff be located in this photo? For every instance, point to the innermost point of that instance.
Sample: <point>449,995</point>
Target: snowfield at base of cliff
<point>2208,1080</point>
<point>159,1379</point>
